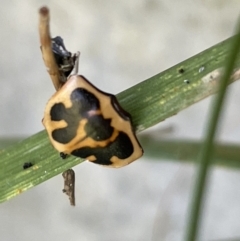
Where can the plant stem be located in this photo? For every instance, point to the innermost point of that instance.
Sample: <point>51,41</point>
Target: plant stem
<point>207,150</point>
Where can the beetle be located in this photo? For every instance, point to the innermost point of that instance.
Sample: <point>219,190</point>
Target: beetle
<point>86,122</point>
<point>82,120</point>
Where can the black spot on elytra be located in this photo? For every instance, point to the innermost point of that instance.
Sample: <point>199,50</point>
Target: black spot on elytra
<point>98,128</point>
<point>121,147</point>
<point>83,103</point>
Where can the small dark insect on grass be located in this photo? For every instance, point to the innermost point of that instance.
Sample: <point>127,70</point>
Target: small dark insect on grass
<point>26,165</point>
<point>181,71</point>
<point>63,155</point>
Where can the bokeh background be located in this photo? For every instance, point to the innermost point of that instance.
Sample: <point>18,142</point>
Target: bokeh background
<point>122,43</point>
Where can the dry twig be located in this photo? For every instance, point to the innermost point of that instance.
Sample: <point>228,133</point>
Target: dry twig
<point>46,47</point>
<point>69,185</point>
<point>60,64</point>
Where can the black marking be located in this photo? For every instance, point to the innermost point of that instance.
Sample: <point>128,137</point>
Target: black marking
<point>121,147</point>
<point>98,128</point>
<point>115,104</point>
<point>83,106</point>
<point>122,113</point>
<point>26,165</point>
<point>84,100</point>
<point>56,112</point>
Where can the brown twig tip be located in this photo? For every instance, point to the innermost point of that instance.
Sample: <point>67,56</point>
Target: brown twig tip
<point>44,11</point>
<point>46,46</point>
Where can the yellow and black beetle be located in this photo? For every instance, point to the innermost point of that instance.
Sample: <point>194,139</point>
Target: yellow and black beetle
<point>86,122</point>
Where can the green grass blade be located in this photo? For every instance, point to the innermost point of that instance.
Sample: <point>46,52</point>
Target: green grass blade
<point>149,103</point>
<point>225,155</point>
<point>37,150</point>
<point>207,150</point>
<point>169,92</point>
